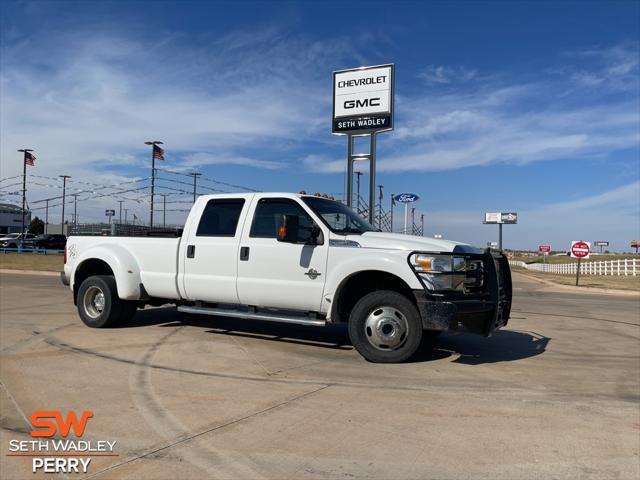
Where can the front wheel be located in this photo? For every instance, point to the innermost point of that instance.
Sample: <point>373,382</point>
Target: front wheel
<point>385,327</point>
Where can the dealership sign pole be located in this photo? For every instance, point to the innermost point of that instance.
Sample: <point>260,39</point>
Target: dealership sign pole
<point>363,106</point>
<point>580,250</point>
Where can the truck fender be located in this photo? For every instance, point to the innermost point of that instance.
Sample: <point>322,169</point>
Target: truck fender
<point>376,261</point>
<point>123,265</point>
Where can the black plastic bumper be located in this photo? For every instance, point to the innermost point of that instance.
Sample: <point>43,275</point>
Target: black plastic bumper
<point>481,313</point>
<point>64,279</point>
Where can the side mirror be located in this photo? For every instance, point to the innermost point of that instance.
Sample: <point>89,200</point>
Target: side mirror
<point>288,229</point>
<point>316,235</point>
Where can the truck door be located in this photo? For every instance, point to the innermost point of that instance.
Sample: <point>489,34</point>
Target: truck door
<point>211,253</point>
<point>278,274</point>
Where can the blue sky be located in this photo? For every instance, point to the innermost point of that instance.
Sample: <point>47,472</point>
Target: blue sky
<point>516,106</point>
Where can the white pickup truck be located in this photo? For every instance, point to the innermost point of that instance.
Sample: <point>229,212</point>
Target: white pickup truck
<point>299,259</point>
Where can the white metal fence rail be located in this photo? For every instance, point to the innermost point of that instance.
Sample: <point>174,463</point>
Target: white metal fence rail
<point>624,267</point>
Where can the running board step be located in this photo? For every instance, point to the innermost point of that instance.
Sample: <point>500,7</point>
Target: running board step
<point>270,317</point>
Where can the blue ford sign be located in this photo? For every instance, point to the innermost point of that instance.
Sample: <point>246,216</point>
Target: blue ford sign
<point>406,197</point>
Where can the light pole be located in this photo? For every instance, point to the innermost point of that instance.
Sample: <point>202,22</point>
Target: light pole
<point>195,176</point>
<point>422,221</point>
<point>46,216</point>
<point>125,215</point>
<point>153,171</point>
<point>64,191</point>
<point>120,215</point>
<point>24,188</point>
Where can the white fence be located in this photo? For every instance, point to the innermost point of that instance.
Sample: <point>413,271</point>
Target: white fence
<point>626,267</point>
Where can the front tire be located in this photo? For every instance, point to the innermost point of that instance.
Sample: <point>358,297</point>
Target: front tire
<point>385,327</point>
<point>98,302</point>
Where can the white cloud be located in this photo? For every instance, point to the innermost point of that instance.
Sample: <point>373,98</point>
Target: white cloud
<point>203,158</point>
<point>439,75</point>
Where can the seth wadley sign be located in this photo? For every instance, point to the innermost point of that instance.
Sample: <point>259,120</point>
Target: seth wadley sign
<point>363,100</point>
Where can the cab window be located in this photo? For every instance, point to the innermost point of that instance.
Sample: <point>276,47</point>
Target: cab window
<point>220,218</point>
<point>268,216</point>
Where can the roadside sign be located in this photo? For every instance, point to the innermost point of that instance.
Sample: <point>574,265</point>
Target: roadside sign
<point>544,248</point>
<point>634,243</point>
<point>406,197</point>
<point>492,244</point>
<point>492,217</point>
<point>601,243</point>
<point>363,100</point>
<point>580,249</point>
<point>110,213</point>
<point>509,217</point>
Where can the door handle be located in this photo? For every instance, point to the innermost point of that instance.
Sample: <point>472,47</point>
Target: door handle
<point>244,253</point>
<point>191,251</point>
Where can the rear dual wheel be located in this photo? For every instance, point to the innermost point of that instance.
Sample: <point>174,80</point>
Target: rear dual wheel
<point>99,305</point>
<point>385,327</point>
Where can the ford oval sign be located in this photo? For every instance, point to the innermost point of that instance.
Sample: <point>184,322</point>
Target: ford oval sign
<point>406,197</point>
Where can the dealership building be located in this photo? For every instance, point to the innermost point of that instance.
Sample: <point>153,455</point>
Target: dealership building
<point>11,218</point>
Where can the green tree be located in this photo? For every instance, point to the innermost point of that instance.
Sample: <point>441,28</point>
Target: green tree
<point>36,226</point>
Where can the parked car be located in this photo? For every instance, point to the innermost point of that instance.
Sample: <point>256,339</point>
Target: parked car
<point>12,240</point>
<point>53,242</point>
<point>295,259</point>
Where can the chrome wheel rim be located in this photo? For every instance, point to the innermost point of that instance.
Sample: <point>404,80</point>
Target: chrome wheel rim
<point>386,328</point>
<point>93,302</point>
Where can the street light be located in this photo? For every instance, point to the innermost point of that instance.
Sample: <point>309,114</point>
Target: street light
<point>195,176</point>
<point>153,143</point>
<point>64,191</point>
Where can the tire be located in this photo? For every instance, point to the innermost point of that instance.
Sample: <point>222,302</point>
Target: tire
<point>385,327</point>
<point>98,302</point>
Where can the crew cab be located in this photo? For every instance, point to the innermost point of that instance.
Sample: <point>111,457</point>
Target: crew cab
<point>297,259</point>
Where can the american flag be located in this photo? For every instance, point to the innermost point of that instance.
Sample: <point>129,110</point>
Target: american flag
<point>29,158</point>
<point>158,153</point>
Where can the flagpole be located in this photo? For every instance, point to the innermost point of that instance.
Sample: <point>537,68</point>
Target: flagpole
<point>153,174</point>
<point>24,190</point>
<point>24,193</point>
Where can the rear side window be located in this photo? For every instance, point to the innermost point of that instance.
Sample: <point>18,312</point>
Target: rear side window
<point>220,218</point>
<point>269,213</point>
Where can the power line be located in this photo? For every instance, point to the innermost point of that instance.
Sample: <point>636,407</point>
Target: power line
<point>9,178</point>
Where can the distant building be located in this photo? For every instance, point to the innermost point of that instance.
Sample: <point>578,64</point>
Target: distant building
<point>11,218</point>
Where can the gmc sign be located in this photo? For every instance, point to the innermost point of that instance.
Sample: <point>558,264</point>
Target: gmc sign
<point>363,100</point>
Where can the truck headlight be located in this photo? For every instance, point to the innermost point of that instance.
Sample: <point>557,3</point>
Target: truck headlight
<point>447,272</point>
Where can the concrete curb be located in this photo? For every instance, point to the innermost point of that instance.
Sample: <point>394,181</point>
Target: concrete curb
<point>41,273</point>
<point>586,290</point>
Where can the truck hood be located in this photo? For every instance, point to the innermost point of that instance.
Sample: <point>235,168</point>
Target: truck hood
<point>397,241</point>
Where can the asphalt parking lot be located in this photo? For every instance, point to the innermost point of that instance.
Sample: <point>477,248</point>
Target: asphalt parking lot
<point>554,395</point>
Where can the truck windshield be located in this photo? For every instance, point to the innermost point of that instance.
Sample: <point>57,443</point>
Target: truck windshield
<point>337,216</point>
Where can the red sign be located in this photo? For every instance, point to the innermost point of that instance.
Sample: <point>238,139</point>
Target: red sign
<point>544,248</point>
<point>580,249</point>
